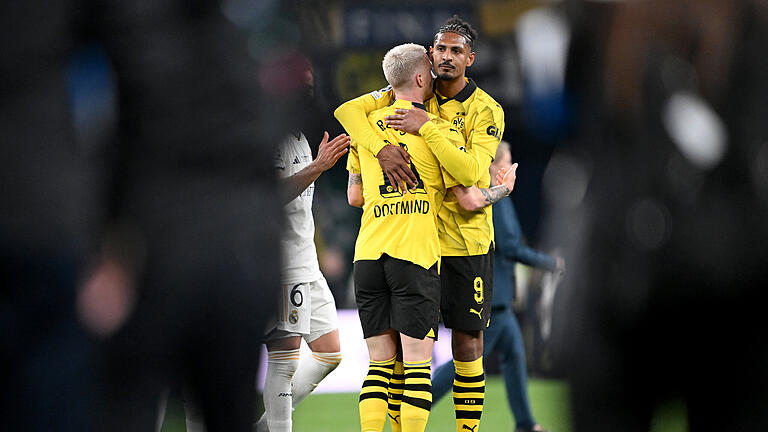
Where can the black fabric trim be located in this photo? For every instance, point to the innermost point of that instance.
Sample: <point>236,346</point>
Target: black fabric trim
<point>420,403</point>
<point>475,401</point>
<point>393,407</point>
<point>474,415</point>
<point>418,387</point>
<point>396,385</point>
<point>461,96</point>
<point>418,375</point>
<point>373,383</point>
<point>373,395</point>
<point>379,373</point>
<point>418,105</point>
<point>396,396</point>
<point>469,389</point>
<point>410,369</point>
<point>469,379</point>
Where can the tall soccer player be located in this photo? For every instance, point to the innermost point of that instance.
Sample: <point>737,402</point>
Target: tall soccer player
<point>465,220</point>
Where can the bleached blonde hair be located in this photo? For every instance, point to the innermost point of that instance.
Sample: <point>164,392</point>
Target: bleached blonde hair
<point>402,62</point>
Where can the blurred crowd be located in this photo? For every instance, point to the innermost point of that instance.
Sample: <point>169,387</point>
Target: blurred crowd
<point>139,211</point>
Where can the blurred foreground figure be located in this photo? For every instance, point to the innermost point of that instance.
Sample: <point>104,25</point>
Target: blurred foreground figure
<point>669,280</point>
<point>193,187</point>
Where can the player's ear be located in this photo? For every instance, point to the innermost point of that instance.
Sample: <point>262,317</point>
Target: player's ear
<point>470,58</point>
<point>420,80</point>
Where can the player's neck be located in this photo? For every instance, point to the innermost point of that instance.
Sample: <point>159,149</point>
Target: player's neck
<point>452,87</point>
<point>415,95</point>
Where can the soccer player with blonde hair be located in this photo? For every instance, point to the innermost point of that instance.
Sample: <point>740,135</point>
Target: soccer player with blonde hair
<point>465,219</point>
<point>397,253</point>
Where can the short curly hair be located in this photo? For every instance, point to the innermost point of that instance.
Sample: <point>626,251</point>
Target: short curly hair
<point>460,27</point>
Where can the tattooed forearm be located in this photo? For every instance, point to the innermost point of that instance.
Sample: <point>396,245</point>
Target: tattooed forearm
<point>355,179</point>
<point>495,193</point>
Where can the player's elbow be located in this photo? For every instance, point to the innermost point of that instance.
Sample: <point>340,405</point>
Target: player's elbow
<point>470,202</point>
<point>468,176</point>
<point>355,199</point>
<point>338,112</point>
<point>468,181</point>
<point>342,111</point>
<point>355,202</point>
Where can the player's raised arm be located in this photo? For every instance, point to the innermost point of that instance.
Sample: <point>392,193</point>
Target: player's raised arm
<point>463,166</point>
<point>327,154</point>
<point>353,116</point>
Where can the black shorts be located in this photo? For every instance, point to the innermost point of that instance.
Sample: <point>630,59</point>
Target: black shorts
<point>395,294</point>
<point>467,288</point>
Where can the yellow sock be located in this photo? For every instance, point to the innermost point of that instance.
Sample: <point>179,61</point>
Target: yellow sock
<point>417,396</point>
<point>468,394</point>
<point>396,385</point>
<point>373,396</point>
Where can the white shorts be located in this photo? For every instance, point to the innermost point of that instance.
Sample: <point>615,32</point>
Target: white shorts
<point>305,309</point>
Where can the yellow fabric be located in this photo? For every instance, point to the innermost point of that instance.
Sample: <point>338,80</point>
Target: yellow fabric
<point>373,396</point>
<point>480,119</point>
<point>401,225</point>
<point>461,167</point>
<point>353,116</point>
<point>396,386</point>
<point>417,402</point>
<point>468,394</point>
<point>353,158</point>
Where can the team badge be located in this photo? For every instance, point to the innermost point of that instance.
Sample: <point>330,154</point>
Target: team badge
<point>293,318</point>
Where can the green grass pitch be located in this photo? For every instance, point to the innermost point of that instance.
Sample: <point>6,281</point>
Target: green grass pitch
<point>337,412</point>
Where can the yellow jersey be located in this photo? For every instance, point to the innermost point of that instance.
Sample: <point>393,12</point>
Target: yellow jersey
<point>480,119</point>
<point>401,224</point>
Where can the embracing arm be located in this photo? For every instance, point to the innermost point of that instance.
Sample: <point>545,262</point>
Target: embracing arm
<point>462,166</point>
<point>353,116</point>
<point>474,198</point>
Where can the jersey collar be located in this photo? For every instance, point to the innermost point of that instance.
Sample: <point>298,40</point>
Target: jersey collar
<point>461,96</point>
<point>400,103</point>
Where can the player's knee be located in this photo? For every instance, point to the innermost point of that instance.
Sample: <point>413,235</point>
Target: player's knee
<point>327,360</point>
<point>467,346</point>
<point>283,363</point>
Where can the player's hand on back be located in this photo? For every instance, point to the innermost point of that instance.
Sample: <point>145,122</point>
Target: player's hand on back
<point>408,120</point>
<point>507,177</point>
<point>396,165</point>
<point>330,151</point>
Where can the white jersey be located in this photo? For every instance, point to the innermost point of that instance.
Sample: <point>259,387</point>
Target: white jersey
<point>298,240</point>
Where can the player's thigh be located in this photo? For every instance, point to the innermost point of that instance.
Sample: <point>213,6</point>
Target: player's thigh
<point>415,298</point>
<point>294,313</point>
<point>324,319</point>
<point>466,291</point>
<point>416,349</point>
<point>372,296</point>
